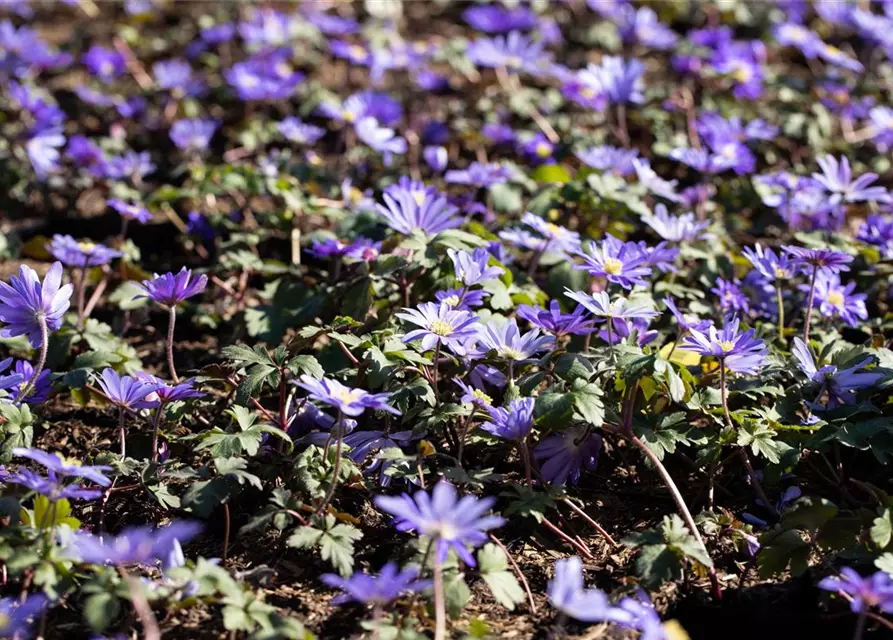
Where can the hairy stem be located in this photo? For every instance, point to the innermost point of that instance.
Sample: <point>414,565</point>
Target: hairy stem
<point>604,534</point>
<point>81,288</point>
<point>439,603</point>
<point>517,570</point>
<point>434,372</point>
<point>41,359</point>
<point>860,625</point>
<point>172,321</point>
<point>815,271</point>
<point>226,529</point>
<point>780,302</point>
<point>121,430</point>
<point>339,425</point>
<point>156,427</point>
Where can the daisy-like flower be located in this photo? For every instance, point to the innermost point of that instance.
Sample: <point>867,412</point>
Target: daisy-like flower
<point>475,396</point>
<point>387,586</point>
<point>551,237</point>
<point>601,306</point>
<point>57,465</point>
<point>654,183</point>
<point>562,456</point>
<point>738,352</point>
<point>471,268</point>
<point>882,127</point>
<point>568,594</point>
<point>411,206</point>
<point>297,131</point>
<point>837,179</point>
<point>51,486</point>
<point>380,138</point>
<point>453,522</point>
<point>610,159</point>
<point>836,300</point>
<point>17,617</point>
<point>619,262</point>
<point>773,266</point>
<point>877,230</point>
<point>83,253</point>
<point>131,211</point>
<point>348,401</point>
<point>193,134</point>
<point>463,299</point>
<point>731,298</point>
<point>480,174</point>
<point>168,393</point>
<point>15,382</point>
<point>508,342</point>
<point>134,545</point>
<point>686,322</point>
<point>26,302</point>
<point>441,324</point>
<point>515,52</point>
<point>171,289</point>
<point>126,392</point>
<point>684,228</point>
<point>874,591</point>
<point>839,384</point>
<point>559,324</point>
<point>621,80</point>
<point>513,422</point>
<point>821,260</point>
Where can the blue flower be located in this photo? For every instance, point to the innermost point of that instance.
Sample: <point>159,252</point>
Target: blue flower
<point>297,131</point>
<point>83,253</point>
<point>836,300</point>
<point>411,206</point>
<point>515,52</point>
<point>451,522</point>
<point>683,228</point>
<point>865,593</point>
<point>441,323</point>
<point>380,138</point>
<point>55,464</point>
<point>508,342</point>
<point>738,352</point>
<point>512,423</point>
<point>17,617</point>
<point>193,134</point>
<point>134,545</point>
<point>170,289</point>
<point>619,262</point>
<point>772,266</point>
<point>471,268</point>
<point>561,456</point>
<point>348,401</point>
<point>127,392</point>
<point>840,385</point>
<point>387,586</point>
<point>837,179</point>
<point>43,151</point>
<point>820,260</point>
<point>553,321</point>
<point>25,300</point>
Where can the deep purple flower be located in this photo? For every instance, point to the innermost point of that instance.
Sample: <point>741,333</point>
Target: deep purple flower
<point>411,206</point>
<point>741,62</point>
<point>837,179</point>
<point>454,522</point>
<point>193,134</point>
<point>874,591</point>
<point>553,321</point>
<point>686,322</point>
<point>299,132</point>
<point>17,617</point>
<point>440,323</point>
<point>824,260</point>
<point>387,586</point>
<point>840,385</point>
<point>499,19</point>
<point>877,230</point>
<point>882,128</point>
<point>25,299</point>
<point>619,262</point>
<point>738,352</point>
<point>731,297</point>
<point>106,64</point>
<point>86,154</point>
<point>134,545</point>
<point>479,174</point>
<point>509,343</point>
<point>561,456</point>
<point>264,77</point>
<point>23,371</point>
<point>513,422</point>
<point>836,300</point>
<point>621,80</point>
<point>51,486</point>
<point>770,265</point>
<point>463,299</point>
<point>348,401</point>
<point>537,149</point>
<point>73,253</point>
<point>131,211</point>
<point>168,393</point>
<point>170,289</point>
<point>331,25</point>
<point>127,392</point>
<point>471,268</point>
<point>436,157</point>
<point>54,463</point>
<point>644,28</point>
<point>174,75</point>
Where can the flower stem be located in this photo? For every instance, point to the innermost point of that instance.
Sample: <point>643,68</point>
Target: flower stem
<point>680,505</point>
<point>41,359</point>
<point>815,271</point>
<point>439,603</point>
<point>121,430</point>
<point>525,455</point>
<point>159,415</point>
<point>604,534</point>
<point>860,625</point>
<point>339,425</point>
<point>780,302</point>
<point>622,130</point>
<point>434,372</point>
<point>170,344</point>
<point>81,287</point>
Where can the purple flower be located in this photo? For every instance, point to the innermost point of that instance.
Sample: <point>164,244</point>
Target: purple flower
<point>23,370</point>
<point>454,522</point>
<point>498,19</point>
<point>86,154</point>
<point>838,301</point>
<point>621,80</point>
<point>512,423</point>
<point>837,179</point>
<point>463,299</point>
<point>168,393</point>
<point>480,174</point>
<point>73,253</point>
<point>840,385</point>
<point>366,104</point>
<point>611,159</point>
<point>770,265</point>
<point>561,456</point>
<point>686,322</point>
<point>51,486</point>
<point>348,401</point>
<point>134,545</point>
<point>411,206</point>
<point>332,25</point>
<point>299,132</point>
<point>515,52</point>
<point>509,343</point>
<point>174,75</point>
<point>387,586</point>
<point>381,139</point>
<point>264,77</point>
<point>731,298</point>
<point>107,64</point>
<point>738,352</point>
<point>130,164</point>
<point>619,262</point>
<point>538,149</point>
<point>436,157</point>
<point>882,127</point>
<point>131,211</point>
<point>54,463</point>
<point>877,230</point>
<point>193,134</point>
<point>43,151</point>
<point>555,237</point>
<point>567,594</point>
<point>646,29</point>
<point>471,268</point>
<point>601,306</point>
<point>553,321</point>
<point>17,617</point>
<point>126,392</point>
<point>654,183</point>
<point>441,324</point>
<point>24,300</point>
<point>171,289</point>
<point>498,132</point>
<point>874,591</point>
<point>822,260</point>
<point>268,28</point>
<point>742,63</point>
<point>682,228</point>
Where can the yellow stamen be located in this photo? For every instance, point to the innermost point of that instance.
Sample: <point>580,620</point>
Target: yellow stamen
<point>613,266</point>
<point>441,328</point>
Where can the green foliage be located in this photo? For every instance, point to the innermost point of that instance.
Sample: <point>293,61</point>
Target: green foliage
<point>494,567</point>
<point>335,542</point>
<point>664,551</point>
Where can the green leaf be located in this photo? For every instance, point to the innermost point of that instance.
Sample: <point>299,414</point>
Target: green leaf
<point>780,549</point>
<point>882,529</point>
<point>808,513</point>
<point>456,592</point>
<point>588,402</point>
<point>761,440</point>
<point>100,610</point>
<point>551,173</point>
<point>494,567</point>
<point>335,542</point>
<point>885,563</point>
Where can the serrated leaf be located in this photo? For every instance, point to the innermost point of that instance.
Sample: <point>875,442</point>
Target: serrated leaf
<point>882,529</point>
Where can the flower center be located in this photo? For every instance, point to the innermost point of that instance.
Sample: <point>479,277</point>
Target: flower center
<point>513,62</point>
<point>451,301</point>
<point>727,345</point>
<point>780,273</point>
<point>357,51</point>
<point>831,50</point>
<point>348,115</point>
<point>480,395</point>
<point>613,266</point>
<point>441,328</point>
<point>419,197</point>
<point>835,298</point>
<point>511,353</point>
<point>86,246</point>
<point>587,92</point>
<point>543,149</point>
<point>743,73</point>
<point>348,396</point>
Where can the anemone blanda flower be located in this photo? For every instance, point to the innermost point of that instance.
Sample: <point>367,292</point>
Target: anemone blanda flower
<point>513,422</point>
<point>562,456</point>
<point>471,268</point>
<point>552,321</point>
<point>134,545</point>
<point>552,237</point>
<point>686,322</point>
<point>738,352</point>
<point>411,206</point>
<point>453,522</point>
<point>682,228</point>
<point>54,463</point>
<point>387,586</point>
<point>509,343</point>
<point>567,594</point>
<point>473,395</point>
<point>480,174</point>
<point>463,299</point>
<point>297,131</point>
<point>837,179</point>
<point>83,253</point>
<point>43,150</point>
<point>167,393</point>
<point>875,590</point>
<point>171,289</point>
<point>348,401</point>
<point>839,384</point>
<point>440,323</point>
<point>601,306</point>
<point>127,392</point>
<point>618,262</point>
<point>654,183</point>
<point>18,378</point>
<point>51,486</point>
<point>731,297</point>
<point>877,230</point>
<point>104,63</point>
<point>17,617</point>
<point>645,28</point>
<point>771,265</point>
<point>621,80</point>
<point>515,52</point>
<point>380,138</point>
<point>25,299</point>
<point>836,300</point>
<point>193,134</point>
<point>131,211</point>
<point>823,260</point>
<point>610,159</point>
